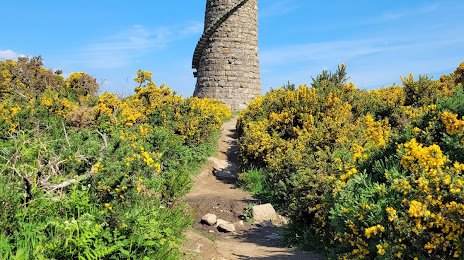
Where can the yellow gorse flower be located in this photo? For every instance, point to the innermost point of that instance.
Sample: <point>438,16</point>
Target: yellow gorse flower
<point>374,230</point>
<point>452,123</point>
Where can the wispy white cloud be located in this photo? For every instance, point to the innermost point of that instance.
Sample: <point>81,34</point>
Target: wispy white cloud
<point>371,63</point>
<point>382,19</point>
<point>323,51</point>
<point>138,37</point>
<point>193,28</point>
<point>125,47</point>
<point>408,41</point>
<point>392,15</point>
<point>335,51</point>
<point>9,55</point>
<point>364,73</point>
<point>277,8</point>
<point>121,48</point>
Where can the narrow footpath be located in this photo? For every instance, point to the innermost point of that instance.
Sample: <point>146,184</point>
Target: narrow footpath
<point>215,192</point>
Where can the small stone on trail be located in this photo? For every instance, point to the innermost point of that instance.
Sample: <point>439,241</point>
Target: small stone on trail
<point>218,164</point>
<point>226,227</point>
<point>264,212</point>
<point>209,219</point>
<point>198,249</point>
<point>220,221</point>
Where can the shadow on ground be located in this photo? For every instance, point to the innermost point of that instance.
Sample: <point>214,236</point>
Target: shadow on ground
<point>229,174</point>
<point>220,195</point>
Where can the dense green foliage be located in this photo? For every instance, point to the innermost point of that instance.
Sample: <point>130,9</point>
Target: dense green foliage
<point>362,174</point>
<point>95,177</point>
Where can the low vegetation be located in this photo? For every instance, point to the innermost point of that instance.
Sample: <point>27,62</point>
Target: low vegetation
<point>84,176</point>
<point>362,174</point>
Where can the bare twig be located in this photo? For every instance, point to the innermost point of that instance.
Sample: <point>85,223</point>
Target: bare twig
<point>67,183</point>
<point>27,183</point>
<point>66,135</point>
<point>104,139</point>
<point>42,144</point>
<point>61,185</point>
<point>6,164</point>
<point>21,95</point>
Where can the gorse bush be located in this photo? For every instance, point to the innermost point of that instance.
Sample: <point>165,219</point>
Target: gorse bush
<point>362,174</point>
<point>298,136</point>
<point>95,177</point>
<point>459,74</point>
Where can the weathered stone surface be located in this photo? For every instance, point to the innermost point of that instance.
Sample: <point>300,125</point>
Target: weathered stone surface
<point>226,227</point>
<point>264,212</point>
<point>226,57</point>
<point>283,220</point>
<point>209,219</point>
<point>221,221</point>
<point>218,164</point>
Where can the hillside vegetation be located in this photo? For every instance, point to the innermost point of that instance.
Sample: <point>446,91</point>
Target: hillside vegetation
<point>362,174</point>
<point>84,176</point>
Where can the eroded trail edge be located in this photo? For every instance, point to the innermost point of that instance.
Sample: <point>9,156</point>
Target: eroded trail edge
<point>215,192</point>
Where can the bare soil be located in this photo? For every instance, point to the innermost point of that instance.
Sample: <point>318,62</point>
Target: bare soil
<point>215,192</point>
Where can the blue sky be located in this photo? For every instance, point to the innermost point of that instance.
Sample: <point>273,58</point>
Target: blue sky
<point>111,40</point>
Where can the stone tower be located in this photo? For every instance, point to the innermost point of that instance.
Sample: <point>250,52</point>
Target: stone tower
<point>226,57</point>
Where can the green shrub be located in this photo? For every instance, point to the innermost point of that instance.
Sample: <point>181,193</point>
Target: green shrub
<point>255,181</point>
<point>459,75</point>
<point>85,177</point>
<point>361,174</point>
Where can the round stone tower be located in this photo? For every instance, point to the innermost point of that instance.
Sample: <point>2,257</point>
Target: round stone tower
<point>226,57</point>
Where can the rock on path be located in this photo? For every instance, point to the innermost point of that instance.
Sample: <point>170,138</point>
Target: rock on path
<point>215,193</point>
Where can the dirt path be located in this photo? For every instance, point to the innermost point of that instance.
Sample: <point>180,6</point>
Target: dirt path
<point>215,192</point>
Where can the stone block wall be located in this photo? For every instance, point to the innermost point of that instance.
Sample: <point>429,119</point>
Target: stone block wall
<point>226,57</point>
